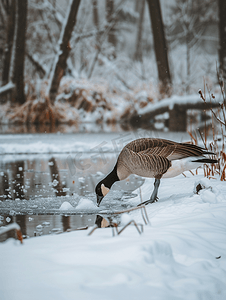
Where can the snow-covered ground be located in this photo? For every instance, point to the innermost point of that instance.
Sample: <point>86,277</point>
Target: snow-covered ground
<point>180,255</point>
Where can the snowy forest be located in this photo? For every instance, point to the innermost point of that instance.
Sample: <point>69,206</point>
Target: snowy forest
<point>100,100</point>
<point>67,62</point>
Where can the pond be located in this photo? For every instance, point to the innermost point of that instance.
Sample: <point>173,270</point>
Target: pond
<point>39,173</point>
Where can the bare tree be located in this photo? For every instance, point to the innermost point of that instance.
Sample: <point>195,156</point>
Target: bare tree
<point>10,11</point>
<point>189,21</point>
<point>138,53</point>
<point>160,46</point>
<point>109,16</point>
<point>60,63</point>
<point>96,21</point>
<point>95,14</point>
<point>18,55</point>
<point>137,5</point>
<point>222,31</point>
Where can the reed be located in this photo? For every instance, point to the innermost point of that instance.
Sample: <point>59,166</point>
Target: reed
<point>213,138</point>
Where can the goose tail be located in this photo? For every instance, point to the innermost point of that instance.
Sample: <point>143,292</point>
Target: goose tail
<point>208,152</point>
<point>206,161</point>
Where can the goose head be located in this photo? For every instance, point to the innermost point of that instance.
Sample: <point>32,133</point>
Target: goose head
<point>101,191</point>
<point>103,187</point>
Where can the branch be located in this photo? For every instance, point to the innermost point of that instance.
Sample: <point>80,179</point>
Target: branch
<point>6,88</point>
<point>52,42</point>
<point>110,25</point>
<point>89,34</point>
<point>35,61</point>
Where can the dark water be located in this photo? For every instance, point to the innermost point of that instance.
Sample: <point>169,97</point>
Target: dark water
<point>34,176</point>
<point>33,180</point>
<point>38,225</point>
<point>33,188</point>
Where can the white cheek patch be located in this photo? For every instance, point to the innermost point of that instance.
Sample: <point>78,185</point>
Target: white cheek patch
<point>104,189</point>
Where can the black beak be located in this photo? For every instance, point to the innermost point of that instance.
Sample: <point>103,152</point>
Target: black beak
<point>99,199</point>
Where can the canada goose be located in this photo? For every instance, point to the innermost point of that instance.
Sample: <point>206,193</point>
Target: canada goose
<point>153,158</point>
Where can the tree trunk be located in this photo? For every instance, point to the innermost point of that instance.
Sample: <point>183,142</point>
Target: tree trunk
<point>96,21</point>
<point>160,46</point>
<point>137,6</point>
<point>222,31</point>
<point>95,14</point>
<point>64,50</point>
<point>9,42</point>
<point>18,68</point>
<point>138,53</point>
<point>178,119</point>
<point>109,13</point>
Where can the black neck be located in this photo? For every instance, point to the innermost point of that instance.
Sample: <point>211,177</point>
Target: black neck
<point>111,178</point>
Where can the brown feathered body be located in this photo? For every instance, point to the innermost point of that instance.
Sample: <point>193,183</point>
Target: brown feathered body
<point>153,157</point>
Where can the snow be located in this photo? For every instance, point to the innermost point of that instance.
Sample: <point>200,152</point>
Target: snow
<point>125,219</point>
<point>86,204</point>
<point>9,227</point>
<point>6,87</point>
<point>48,143</point>
<point>66,206</point>
<point>180,254</point>
<point>79,142</point>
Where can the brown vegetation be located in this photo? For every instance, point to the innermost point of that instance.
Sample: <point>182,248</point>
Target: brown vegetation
<point>88,100</point>
<point>213,138</point>
<point>78,100</point>
<point>36,112</point>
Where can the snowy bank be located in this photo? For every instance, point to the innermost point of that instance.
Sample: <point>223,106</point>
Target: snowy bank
<point>180,255</point>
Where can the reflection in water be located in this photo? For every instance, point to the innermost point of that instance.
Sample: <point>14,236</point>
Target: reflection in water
<point>101,222</point>
<point>4,186</point>
<point>18,179</point>
<point>30,186</point>
<point>55,175</point>
<point>21,221</point>
<point>66,223</point>
<point>38,225</point>
<point>10,234</point>
<point>41,177</point>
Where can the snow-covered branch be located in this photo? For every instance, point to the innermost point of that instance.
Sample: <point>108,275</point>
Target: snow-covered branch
<point>6,88</point>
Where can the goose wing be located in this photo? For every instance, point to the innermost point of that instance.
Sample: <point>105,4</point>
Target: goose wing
<point>165,148</point>
<point>142,164</point>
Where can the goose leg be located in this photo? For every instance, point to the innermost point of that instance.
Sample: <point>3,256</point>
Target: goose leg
<point>154,197</point>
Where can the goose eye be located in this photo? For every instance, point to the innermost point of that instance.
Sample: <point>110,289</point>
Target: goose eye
<point>104,189</point>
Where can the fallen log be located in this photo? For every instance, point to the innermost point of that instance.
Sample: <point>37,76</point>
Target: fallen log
<point>177,107</point>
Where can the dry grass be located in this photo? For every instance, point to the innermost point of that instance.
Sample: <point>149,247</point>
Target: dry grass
<point>37,112</point>
<point>213,139</point>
